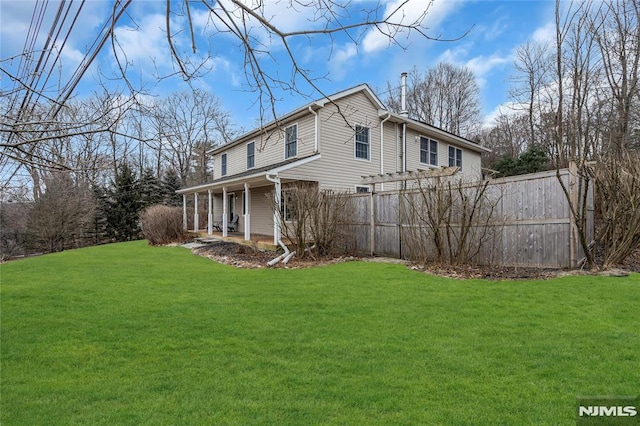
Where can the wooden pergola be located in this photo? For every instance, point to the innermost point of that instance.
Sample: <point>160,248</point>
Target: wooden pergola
<point>419,174</point>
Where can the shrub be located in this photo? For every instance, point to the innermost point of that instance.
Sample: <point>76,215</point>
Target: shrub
<point>162,225</point>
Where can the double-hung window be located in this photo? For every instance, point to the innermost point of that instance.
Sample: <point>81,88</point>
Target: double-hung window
<point>455,157</point>
<point>223,165</point>
<point>287,205</point>
<point>251,155</point>
<point>291,141</point>
<point>362,142</point>
<point>428,151</point>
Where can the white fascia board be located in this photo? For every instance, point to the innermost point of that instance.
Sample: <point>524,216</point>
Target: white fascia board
<point>348,92</point>
<point>294,164</point>
<point>255,133</point>
<point>212,185</point>
<point>300,111</point>
<point>448,136</point>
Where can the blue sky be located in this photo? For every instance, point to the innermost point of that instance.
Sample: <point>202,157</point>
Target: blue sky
<point>497,29</point>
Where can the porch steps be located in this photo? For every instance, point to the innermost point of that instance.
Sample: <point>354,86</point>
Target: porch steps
<point>258,243</point>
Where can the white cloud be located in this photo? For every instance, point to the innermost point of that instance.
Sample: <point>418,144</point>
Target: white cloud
<point>413,12</point>
<point>376,40</point>
<point>506,108</point>
<point>483,65</point>
<point>544,34</point>
<point>480,65</point>
<point>146,43</point>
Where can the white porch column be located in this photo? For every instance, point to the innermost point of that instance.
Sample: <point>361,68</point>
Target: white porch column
<point>247,214</point>
<point>210,216</point>
<point>224,211</point>
<point>195,214</point>
<point>184,212</point>
<point>276,213</point>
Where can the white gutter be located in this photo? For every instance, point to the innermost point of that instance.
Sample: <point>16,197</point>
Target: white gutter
<point>382,147</point>
<point>316,128</point>
<point>228,182</point>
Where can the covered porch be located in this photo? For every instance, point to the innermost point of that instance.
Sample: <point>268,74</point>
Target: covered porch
<point>252,199</point>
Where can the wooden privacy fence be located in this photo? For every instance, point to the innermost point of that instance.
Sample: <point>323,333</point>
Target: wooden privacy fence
<point>531,225</point>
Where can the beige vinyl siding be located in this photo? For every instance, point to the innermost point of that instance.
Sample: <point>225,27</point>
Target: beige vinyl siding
<point>470,159</point>
<point>471,167</point>
<point>339,169</point>
<point>261,213</point>
<point>391,151</point>
<point>269,147</point>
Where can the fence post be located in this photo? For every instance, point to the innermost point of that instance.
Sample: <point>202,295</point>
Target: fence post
<point>573,201</point>
<point>372,220</point>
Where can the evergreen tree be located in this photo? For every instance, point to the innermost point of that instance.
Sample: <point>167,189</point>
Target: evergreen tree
<point>170,184</point>
<point>99,234</point>
<point>151,192</point>
<point>124,204</point>
<point>531,161</point>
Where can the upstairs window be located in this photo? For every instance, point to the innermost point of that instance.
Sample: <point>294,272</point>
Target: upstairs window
<point>428,151</point>
<point>291,141</point>
<point>362,142</point>
<point>223,165</point>
<point>455,157</point>
<point>251,155</point>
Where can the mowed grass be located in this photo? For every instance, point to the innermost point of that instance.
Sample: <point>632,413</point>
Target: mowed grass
<point>132,334</point>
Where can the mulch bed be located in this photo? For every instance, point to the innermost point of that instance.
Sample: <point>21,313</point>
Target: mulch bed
<point>245,256</point>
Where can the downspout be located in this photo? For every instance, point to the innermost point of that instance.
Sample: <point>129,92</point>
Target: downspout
<point>405,114</point>
<point>316,128</point>
<point>276,218</point>
<point>277,240</point>
<point>382,147</point>
<point>404,147</point>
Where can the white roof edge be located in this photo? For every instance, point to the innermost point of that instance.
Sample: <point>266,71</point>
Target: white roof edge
<point>294,164</point>
<point>458,139</point>
<point>276,170</point>
<point>320,103</point>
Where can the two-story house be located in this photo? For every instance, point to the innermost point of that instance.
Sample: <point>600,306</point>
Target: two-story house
<point>332,142</point>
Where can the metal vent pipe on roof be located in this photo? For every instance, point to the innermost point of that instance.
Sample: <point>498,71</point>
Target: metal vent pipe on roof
<point>403,96</point>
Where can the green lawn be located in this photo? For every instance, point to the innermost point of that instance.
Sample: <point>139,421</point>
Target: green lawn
<point>132,334</point>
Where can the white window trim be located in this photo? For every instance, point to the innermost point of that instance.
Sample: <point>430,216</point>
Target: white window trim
<point>226,166</point>
<point>428,164</point>
<point>461,155</point>
<point>285,212</point>
<point>367,187</point>
<point>297,140</point>
<point>355,156</point>
<point>247,154</point>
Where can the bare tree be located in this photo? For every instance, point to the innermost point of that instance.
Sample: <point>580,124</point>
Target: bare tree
<point>448,221</point>
<point>615,28</point>
<point>62,216</point>
<point>532,63</point>
<point>618,184</point>
<point>188,124</point>
<point>312,221</point>
<point>446,96</point>
<point>32,110</point>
